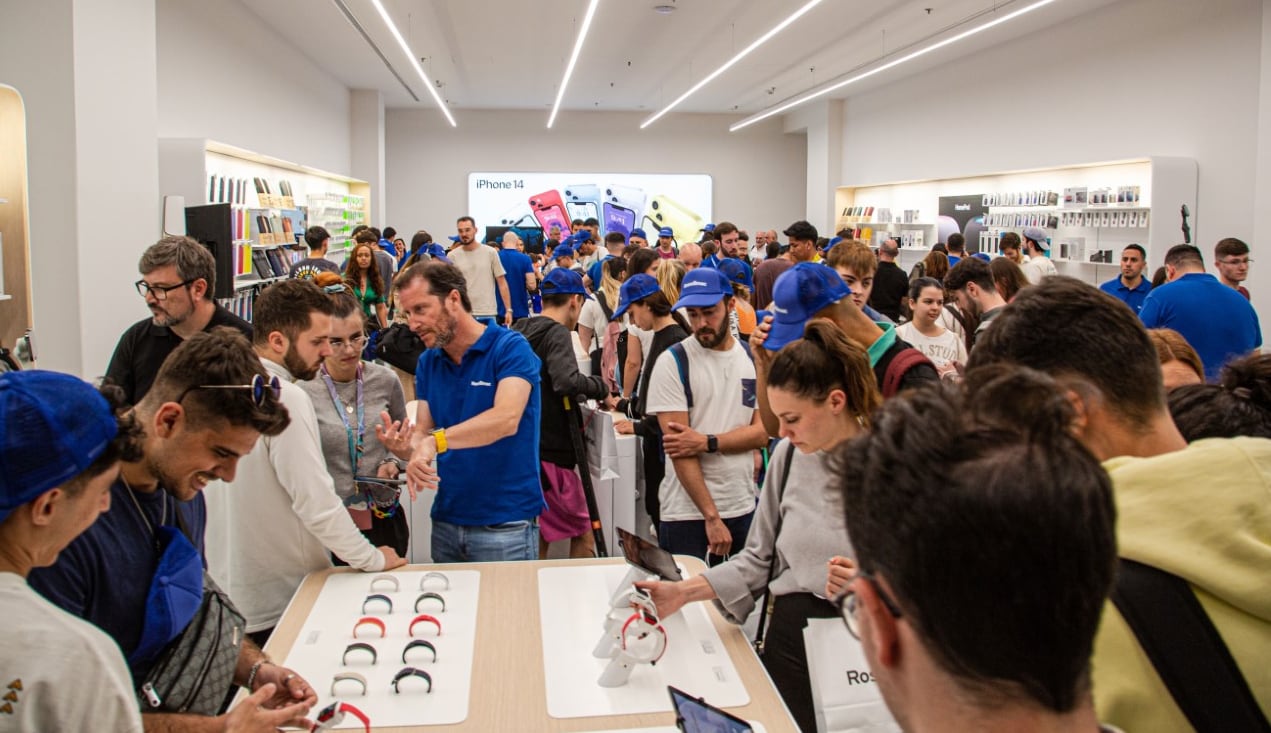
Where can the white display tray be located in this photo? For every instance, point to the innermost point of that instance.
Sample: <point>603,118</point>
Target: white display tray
<point>757,727</point>
<point>329,630</point>
<point>573,603</point>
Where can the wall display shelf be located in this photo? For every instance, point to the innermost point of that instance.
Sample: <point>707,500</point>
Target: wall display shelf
<point>1090,211</point>
<point>338,214</point>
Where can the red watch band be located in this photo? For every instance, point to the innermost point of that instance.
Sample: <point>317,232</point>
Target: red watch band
<point>427,619</point>
<point>372,621</point>
<point>328,715</point>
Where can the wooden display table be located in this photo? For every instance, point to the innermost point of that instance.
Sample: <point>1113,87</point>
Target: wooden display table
<point>509,691</point>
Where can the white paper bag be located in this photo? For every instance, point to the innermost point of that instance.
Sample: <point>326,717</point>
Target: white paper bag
<point>846,698</point>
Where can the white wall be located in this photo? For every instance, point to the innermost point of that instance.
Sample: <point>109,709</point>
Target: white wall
<point>224,76</point>
<point>758,174</point>
<point>1135,78</point>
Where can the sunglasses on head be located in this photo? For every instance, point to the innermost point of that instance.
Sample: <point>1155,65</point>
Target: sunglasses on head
<point>259,387</point>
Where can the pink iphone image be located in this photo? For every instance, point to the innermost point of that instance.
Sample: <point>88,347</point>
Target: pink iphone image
<point>549,209</point>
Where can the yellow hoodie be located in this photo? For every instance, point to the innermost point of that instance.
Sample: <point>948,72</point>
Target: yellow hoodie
<point>1204,514</point>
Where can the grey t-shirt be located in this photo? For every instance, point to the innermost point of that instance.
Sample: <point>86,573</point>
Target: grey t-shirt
<point>380,391</point>
<point>812,531</point>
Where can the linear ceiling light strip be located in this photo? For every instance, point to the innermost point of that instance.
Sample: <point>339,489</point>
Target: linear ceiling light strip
<point>889,65</point>
<point>414,61</point>
<point>353,21</point>
<point>573,59</point>
<point>727,65</point>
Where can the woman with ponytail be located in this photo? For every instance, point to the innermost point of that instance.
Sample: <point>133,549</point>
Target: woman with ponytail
<point>822,390</point>
<point>1238,406</point>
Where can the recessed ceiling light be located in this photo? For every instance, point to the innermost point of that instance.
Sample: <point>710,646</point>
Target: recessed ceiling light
<point>664,9</point>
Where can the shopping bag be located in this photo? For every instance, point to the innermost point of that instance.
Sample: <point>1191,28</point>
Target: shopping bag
<point>844,693</point>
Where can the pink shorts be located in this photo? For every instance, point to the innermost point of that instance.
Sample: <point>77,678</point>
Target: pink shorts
<point>566,515</point>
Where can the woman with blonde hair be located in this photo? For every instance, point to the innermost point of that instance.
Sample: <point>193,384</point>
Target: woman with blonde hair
<point>670,274</point>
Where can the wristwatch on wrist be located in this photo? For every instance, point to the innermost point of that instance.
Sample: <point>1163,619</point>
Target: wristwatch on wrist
<point>712,444</point>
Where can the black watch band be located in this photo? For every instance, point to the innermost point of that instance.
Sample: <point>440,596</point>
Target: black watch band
<point>712,444</point>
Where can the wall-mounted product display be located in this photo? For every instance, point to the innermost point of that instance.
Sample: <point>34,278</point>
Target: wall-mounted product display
<point>339,214</point>
<point>1089,211</point>
<point>619,201</point>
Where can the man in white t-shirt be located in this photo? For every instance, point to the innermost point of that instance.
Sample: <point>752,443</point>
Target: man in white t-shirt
<point>1038,265</point>
<point>706,408</point>
<point>483,272</point>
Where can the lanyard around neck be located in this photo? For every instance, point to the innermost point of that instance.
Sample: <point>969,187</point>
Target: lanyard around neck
<point>355,443</point>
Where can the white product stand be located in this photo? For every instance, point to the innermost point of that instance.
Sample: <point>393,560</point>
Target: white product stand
<point>573,602</point>
<point>328,630</point>
<point>757,727</point>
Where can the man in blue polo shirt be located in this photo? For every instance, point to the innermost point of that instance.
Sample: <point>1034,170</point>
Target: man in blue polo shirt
<point>477,423</point>
<point>1216,320</point>
<point>520,277</point>
<point>1130,286</point>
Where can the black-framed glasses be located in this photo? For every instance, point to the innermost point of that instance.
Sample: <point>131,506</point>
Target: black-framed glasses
<point>259,387</point>
<point>160,292</point>
<point>845,602</point>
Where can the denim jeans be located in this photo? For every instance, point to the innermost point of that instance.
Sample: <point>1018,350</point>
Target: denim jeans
<point>491,543</point>
<point>688,537</point>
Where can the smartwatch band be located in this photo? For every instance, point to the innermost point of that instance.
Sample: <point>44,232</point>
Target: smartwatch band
<point>411,672</point>
<point>348,677</point>
<point>439,435</point>
<point>333,714</point>
<point>430,596</point>
<point>371,620</point>
<point>417,644</point>
<point>651,622</point>
<point>434,575</point>
<point>377,597</point>
<point>359,646</point>
<point>384,578</point>
<point>426,619</point>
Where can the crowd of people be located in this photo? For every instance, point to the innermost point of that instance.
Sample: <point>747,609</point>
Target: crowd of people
<point>992,473</point>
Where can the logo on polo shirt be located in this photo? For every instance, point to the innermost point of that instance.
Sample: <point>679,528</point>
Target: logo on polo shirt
<point>481,384</point>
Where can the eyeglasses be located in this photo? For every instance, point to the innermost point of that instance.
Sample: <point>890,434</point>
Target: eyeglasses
<point>845,602</point>
<point>160,292</point>
<point>354,344</point>
<point>259,387</point>
<point>1241,261</point>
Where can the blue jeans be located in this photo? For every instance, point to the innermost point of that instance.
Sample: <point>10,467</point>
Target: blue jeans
<point>491,543</point>
<point>688,537</point>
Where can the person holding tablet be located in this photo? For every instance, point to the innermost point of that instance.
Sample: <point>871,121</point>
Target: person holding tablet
<point>822,389</point>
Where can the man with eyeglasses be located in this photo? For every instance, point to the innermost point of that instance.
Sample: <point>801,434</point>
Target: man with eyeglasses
<point>1215,319</point>
<point>209,404</point>
<point>178,279</point>
<point>981,573</point>
<point>280,518</point>
<point>1232,257</point>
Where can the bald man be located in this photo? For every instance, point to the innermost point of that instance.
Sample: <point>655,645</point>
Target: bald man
<point>521,280</point>
<point>691,256</point>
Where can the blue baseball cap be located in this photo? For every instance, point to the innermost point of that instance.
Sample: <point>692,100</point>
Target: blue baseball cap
<point>564,281</point>
<point>582,235</point>
<point>453,237</point>
<point>833,241</point>
<point>56,425</point>
<point>799,293</point>
<point>636,287</point>
<point>702,288</point>
<point>666,232</point>
<point>982,256</point>
<point>638,233</point>
<point>737,272</point>
<point>562,250</point>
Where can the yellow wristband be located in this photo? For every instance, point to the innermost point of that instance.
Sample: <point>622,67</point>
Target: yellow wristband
<point>439,435</point>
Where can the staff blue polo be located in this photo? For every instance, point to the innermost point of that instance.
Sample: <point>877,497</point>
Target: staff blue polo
<point>1216,320</point>
<point>499,482</point>
<point>1132,297</point>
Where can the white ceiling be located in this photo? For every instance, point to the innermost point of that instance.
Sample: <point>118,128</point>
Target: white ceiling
<point>504,54</point>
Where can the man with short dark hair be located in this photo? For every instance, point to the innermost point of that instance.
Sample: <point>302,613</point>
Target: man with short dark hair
<point>316,239</point>
<point>1232,258</point>
<point>708,500</point>
<point>1011,248</point>
<point>282,504</point>
<point>891,284</point>
<point>478,392</point>
<point>1215,319</point>
<point>209,404</point>
<point>927,598</point>
<point>1038,266</point>
<point>178,283</point>
<point>802,237</point>
<point>766,273</point>
<point>1130,287</point>
<point>484,273</point>
<point>957,248</point>
<point>972,286</point>
<point>1198,512</point>
<point>614,244</point>
<point>561,427</point>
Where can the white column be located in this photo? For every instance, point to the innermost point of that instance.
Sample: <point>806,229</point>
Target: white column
<point>366,149</point>
<point>822,122</point>
<point>1260,272</point>
<point>86,72</point>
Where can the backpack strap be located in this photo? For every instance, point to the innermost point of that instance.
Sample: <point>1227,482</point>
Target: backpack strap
<point>1186,650</point>
<point>681,363</point>
<point>899,366</point>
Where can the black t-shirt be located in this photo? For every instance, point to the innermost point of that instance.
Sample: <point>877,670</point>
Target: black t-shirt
<point>891,284</point>
<point>309,267</point>
<point>914,377</point>
<point>144,346</point>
